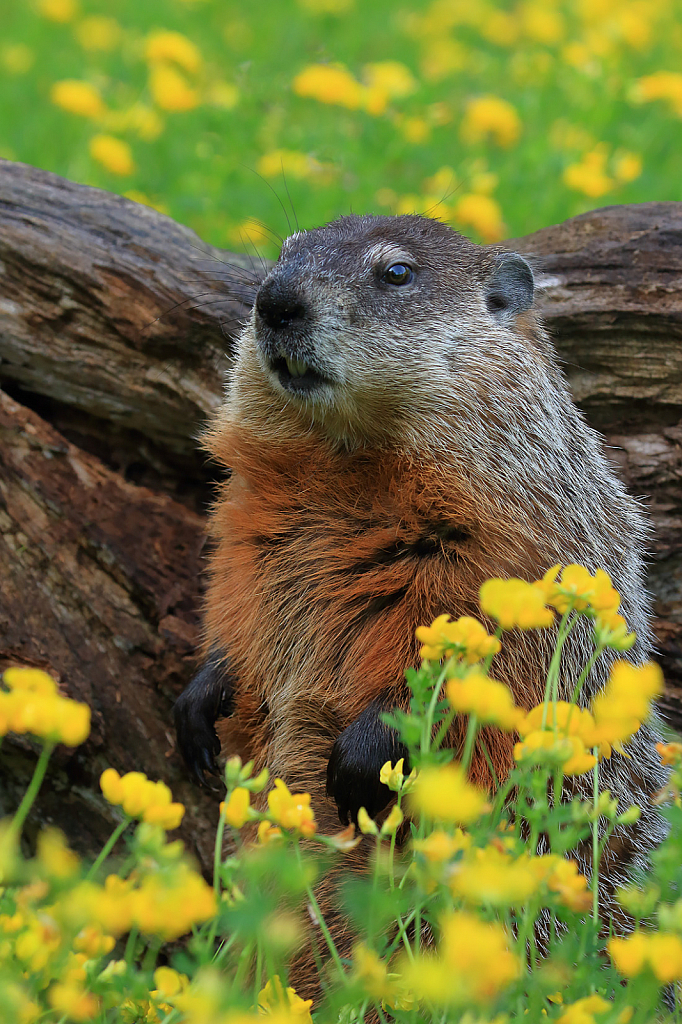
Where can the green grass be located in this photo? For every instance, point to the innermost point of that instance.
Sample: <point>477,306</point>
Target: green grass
<point>201,168</point>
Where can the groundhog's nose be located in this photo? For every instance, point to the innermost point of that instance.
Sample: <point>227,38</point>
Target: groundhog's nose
<point>279,304</point>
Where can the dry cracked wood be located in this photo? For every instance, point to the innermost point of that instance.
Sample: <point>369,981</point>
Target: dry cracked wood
<point>115,332</point>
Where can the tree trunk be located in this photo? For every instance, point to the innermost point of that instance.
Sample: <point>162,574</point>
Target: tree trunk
<point>116,328</point>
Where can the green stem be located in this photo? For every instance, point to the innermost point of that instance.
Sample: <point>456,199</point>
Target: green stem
<point>217,855</point>
<point>445,725</point>
<point>427,731</point>
<point>108,847</point>
<point>130,944</point>
<point>585,672</point>
<point>321,921</point>
<point>258,976</point>
<point>32,791</point>
<point>565,627</point>
<point>595,842</point>
<point>150,956</point>
<point>472,729</point>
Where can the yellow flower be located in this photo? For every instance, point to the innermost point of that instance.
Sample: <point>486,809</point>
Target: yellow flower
<point>33,705</point>
<point>442,58</point>
<point>393,821</point>
<point>568,719</point>
<point>625,701</point>
<point>610,630</point>
<point>58,10</point>
<point>141,798</point>
<point>392,776</point>
<point>629,955</point>
<point>92,941</point>
<point>289,162</point>
<point>492,117</point>
<point>330,83</point>
<point>113,154</point>
<point>267,833</point>
<point>291,810</point>
<point>489,700</point>
<point>440,846</point>
<point>72,1001</point>
<point>98,33</point>
<point>170,906</point>
<point>445,794</point>
<point>565,880</point>
<point>274,999</point>
<point>169,982</point>
<point>473,964</point>
<point>515,603</point>
<point>366,824</point>
<point>465,638</point>
<point>583,1010</point>
<point>54,855</point>
<point>249,232</point>
<point>236,809</point>
<point>577,588</point>
<point>670,753</point>
<point>661,951</point>
<point>370,970</point>
<point>415,130</point>
<point>29,680</point>
<point>171,90</point>
<point>665,956</point>
<point>542,24</point>
<point>482,213</point>
<point>627,166</point>
<point>589,176</point>
<point>389,77</point>
<point>544,746</point>
<point>662,85</point>
<point>172,47</point>
<point>489,877</point>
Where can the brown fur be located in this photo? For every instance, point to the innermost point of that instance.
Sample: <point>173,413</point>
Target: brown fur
<point>290,535</point>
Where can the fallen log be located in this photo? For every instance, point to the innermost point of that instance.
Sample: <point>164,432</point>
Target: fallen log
<point>116,328</point>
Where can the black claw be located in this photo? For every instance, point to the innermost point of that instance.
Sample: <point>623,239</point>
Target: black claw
<point>208,697</point>
<point>356,760</point>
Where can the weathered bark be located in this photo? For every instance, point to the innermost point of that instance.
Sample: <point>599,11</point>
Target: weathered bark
<point>115,332</point>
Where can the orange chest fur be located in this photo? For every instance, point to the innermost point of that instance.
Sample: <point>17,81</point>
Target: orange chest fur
<point>319,581</point>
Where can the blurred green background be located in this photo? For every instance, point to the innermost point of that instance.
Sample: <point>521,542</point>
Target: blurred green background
<point>499,117</point>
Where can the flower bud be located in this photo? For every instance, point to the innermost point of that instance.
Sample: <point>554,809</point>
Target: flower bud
<point>365,823</point>
<point>393,821</point>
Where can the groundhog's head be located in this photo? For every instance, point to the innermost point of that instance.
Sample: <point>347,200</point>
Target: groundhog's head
<point>370,325</point>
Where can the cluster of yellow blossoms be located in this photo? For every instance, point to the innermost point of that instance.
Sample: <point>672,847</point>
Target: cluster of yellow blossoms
<point>554,729</point>
<point>32,704</point>
<point>177,81</point>
<point>489,876</point>
<point>141,798</point>
<point>473,964</point>
<point>661,952</point>
<point>287,810</point>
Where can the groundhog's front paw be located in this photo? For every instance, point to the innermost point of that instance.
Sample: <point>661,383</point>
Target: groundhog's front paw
<point>356,760</point>
<point>207,698</point>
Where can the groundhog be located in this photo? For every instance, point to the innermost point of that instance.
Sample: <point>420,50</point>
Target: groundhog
<point>398,430</point>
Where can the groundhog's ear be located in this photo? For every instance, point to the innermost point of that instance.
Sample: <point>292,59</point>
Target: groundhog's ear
<point>509,290</point>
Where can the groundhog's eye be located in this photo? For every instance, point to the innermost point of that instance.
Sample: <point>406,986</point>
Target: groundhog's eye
<point>398,273</point>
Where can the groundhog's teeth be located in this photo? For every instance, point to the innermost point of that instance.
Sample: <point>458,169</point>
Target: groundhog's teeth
<point>295,367</point>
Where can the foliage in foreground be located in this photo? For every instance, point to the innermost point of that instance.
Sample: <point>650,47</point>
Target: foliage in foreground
<point>499,116</point>
<point>448,914</point>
